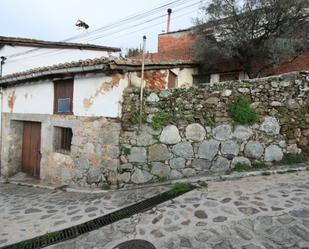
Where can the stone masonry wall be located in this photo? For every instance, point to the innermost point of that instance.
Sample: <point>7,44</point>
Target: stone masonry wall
<point>200,137</point>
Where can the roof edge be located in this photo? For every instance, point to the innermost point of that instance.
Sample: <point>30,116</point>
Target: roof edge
<point>54,44</point>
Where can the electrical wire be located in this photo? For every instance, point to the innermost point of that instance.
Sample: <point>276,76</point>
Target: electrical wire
<point>119,31</point>
<point>116,24</point>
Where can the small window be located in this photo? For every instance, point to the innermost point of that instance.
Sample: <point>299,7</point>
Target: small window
<point>63,139</point>
<point>201,79</point>
<point>229,76</point>
<point>63,96</point>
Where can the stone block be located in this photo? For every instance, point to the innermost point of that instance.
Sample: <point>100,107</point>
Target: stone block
<point>184,150</point>
<point>160,169</point>
<point>273,153</point>
<point>222,132</point>
<point>270,126</point>
<point>175,174</point>
<point>177,163</point>
<point>158,152</point>
<point>137,155</point>
<point>221,164</point>
<point>242,133</point>
<point>195,132</point>
<point>208,149</point>
<point>254,149</point>
<point>170,135</point>
<point>229,148</point>
<point>201,164</point>
<point>141,176</point>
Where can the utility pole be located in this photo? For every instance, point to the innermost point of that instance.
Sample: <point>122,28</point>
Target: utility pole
<point>142,83</point>
<point>3,59</point>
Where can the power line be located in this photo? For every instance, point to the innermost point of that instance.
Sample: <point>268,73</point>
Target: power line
<point>147,21</point>
<point>130,18</point>
<point>110,26</point>
<point>119,31</point>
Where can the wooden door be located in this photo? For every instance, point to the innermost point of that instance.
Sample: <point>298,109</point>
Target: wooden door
<point>172,80</point>
<point>31,150</point>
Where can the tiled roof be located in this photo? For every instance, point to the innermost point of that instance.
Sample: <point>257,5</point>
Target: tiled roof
<point>82,65</point>
<point>52,44</point>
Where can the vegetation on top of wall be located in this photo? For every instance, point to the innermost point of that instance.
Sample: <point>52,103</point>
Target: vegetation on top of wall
<point>289,159</point>
<point>242,112</point>
<point>160,120</point>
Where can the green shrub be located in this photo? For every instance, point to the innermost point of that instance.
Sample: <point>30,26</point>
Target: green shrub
<point>160,120</point>
<point>242,113</point>
<point>241,167</point>
<point>259,165</point>
<point>289,159</point>
<point>179,188</point>
<point>125,151</point>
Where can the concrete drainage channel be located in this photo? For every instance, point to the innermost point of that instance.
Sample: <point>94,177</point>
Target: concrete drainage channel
<point>75,231</point>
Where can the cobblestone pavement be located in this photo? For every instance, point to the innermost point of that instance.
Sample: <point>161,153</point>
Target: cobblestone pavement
<point>27,212</point>
<point>251,213</point>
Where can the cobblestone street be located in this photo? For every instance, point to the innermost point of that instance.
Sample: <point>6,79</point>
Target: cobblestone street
<point>262,212</point>
<point>27,212</point>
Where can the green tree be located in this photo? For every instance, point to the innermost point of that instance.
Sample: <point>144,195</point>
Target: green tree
<point>131,52</point>
<point>253,34</point>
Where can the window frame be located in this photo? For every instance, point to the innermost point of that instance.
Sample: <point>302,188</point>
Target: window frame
<point>63,89</point>
<point>63,139</point>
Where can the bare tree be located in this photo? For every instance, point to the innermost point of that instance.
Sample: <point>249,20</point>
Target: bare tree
<point>254,35</point>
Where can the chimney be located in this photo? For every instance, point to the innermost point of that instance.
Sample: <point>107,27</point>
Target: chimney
<point>169,12</point>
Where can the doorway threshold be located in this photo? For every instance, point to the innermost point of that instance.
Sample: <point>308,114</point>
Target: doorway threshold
<point>25,180</point>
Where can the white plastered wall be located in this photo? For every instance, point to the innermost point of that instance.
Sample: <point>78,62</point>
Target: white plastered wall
<point>99,95</point>
<point>34,98</point>
<point>93,95</point>
<point>17,61</point>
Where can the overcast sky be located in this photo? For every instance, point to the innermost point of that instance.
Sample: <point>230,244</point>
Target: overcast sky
<point>55,19</point>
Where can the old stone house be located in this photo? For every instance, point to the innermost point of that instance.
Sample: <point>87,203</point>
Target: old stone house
<point>61,123</point>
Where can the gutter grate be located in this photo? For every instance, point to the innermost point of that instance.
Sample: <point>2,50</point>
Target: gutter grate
<point>75,231</point>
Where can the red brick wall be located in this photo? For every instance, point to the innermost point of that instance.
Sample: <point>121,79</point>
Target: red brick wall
<point>176,46</point>
<point>299,64</point>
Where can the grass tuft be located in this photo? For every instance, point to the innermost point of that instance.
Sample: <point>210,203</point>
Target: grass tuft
<point>289,159</point>
<point>240,167</point>
<point>179,188</point>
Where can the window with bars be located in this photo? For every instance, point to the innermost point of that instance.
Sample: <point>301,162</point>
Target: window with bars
<point>63,139</point>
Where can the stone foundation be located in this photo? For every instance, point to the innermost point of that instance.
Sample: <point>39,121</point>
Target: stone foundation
<point>92,161</point>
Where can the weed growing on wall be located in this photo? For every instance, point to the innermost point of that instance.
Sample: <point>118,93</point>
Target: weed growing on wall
<point>242,113</point>
<point>160,120</point>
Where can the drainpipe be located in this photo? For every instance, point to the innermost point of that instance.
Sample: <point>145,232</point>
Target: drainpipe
<point>3,59</point>
<point>142,82</point>
<point>169,13</point>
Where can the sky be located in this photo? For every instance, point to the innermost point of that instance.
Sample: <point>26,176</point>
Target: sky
<point>55,20</point>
